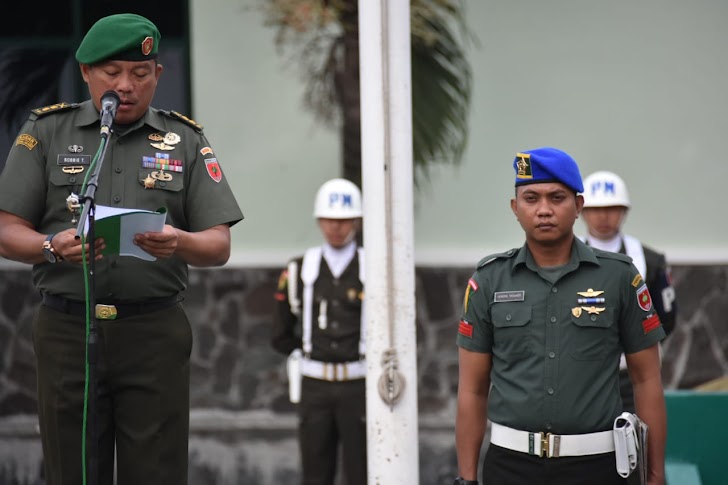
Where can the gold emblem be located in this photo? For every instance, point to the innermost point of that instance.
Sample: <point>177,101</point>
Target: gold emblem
<point>172,138</point>
<point>592,310</point>
<point>149,182</point>
<point>156,137</point>
<point>523,166</point>
<point>28,141</point>
<point>589,293</point>
<point>162,176</point>
<point>147,45</point>
<point>162,146</point>
<point>105,312</point>
<point>637,280</point>
<point>73,169</point>
<point>576,311</point>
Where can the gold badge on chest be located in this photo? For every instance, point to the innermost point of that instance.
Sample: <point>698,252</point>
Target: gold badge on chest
<point>164,142</point>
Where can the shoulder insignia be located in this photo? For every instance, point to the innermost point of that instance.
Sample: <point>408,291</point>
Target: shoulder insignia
<point>489,259</point>
<point>184,119</point>
<point>610,255</point>
<point>54,108</point>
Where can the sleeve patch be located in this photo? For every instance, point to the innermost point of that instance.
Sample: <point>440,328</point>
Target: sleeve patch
<point>283,280</point>
<point>472,286</point>
<point>637,280</point>
<point>27,141</point>
<point>465,329</point>
<point>650,323</point>
<point>644,299</point>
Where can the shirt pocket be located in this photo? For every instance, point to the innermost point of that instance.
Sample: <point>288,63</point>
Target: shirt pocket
<point>593,336</point>
<point>163,191</point>
<point>512,330</point>
<point>66,182</point>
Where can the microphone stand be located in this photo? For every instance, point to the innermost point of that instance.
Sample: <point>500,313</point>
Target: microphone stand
<point>89,211</point>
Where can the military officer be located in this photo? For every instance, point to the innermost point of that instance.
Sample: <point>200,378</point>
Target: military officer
<point>606,203</point>
<point>155,159</point>
<point>542,330</point>
<point>320,297</point>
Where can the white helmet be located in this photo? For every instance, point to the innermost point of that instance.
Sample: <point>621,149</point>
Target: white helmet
<point>605,189</point>
<point>338,199</point>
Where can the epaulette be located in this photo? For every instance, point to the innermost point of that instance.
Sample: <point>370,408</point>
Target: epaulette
<point>610,255</point>
<point>54,108</point>
<point>489,259</point>
<point>179,116</point>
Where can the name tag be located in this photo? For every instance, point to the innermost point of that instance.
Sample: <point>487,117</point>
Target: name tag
<point>74,160</point>
<point>502,296</point>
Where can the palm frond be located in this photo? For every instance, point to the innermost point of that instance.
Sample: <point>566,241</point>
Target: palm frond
<point>441,88</point>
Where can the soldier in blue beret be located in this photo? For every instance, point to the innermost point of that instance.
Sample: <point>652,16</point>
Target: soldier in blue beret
<point>155,158</point>
<point>540,338</point>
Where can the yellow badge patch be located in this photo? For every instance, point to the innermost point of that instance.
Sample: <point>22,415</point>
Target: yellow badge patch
<point>472,286</point>
<point>637,280</point>
<point>27,141</point>
<point>283,281</point>
<point>523,166</point>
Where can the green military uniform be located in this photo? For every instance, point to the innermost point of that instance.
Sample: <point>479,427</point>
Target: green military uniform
<point>67,138</point>
<point>331,412</point>
<point>144,368</point>
<point>161,160</point>
<point>556,351</point>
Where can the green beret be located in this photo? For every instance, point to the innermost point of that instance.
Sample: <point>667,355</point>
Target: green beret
<point>124,37</point>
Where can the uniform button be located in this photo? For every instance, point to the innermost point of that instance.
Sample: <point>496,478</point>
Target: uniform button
<point>161,184</point>
<point>334,324</point>
<point>551,390</point>
<point>117,170</point>
<point>554,290</point>
<point>552,355</point>
<point>334,345</point>
<point>117,199</point>
<point>593,318</point>
<point>72,180</point>
<point>553,319</point>
<point>335,303</point>
<point>508,317</point>
<point>335,282</point>
<point>548,425</point>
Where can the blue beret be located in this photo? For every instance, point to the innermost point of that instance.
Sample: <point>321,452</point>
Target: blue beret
<point>547,164</point>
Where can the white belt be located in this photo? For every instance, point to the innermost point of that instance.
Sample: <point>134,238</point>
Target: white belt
<point>334,371</point>
<point>552,445</point>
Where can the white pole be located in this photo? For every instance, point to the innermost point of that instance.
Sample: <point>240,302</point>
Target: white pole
<point>386,117</point>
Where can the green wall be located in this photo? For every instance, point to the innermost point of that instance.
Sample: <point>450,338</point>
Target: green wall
<point>636,87</point>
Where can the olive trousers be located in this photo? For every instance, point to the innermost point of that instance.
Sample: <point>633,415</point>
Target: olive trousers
<point>142,397</point>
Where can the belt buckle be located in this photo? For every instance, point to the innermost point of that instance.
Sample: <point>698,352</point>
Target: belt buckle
<point>546,448</point>
<point>542,438</point>
<point>106,312</point>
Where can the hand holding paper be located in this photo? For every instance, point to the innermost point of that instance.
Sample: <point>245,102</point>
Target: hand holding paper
<point>118,226</point>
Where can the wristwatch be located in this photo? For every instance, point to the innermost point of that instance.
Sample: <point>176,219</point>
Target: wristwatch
<point>49,252</point>
<point>462,481</point>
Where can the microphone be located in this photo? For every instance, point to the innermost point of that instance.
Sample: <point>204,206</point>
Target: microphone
<point>109,104</point>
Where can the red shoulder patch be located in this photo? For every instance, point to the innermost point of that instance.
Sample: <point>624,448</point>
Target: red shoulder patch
<point>644,299</point>
<point>650,323</point>
<point>465,329</point>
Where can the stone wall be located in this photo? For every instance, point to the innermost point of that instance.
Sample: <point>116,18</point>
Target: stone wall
<point>242,425</point>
